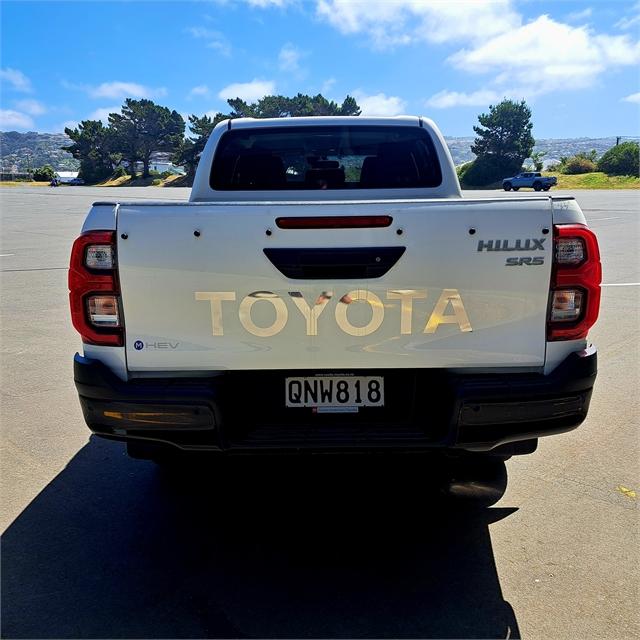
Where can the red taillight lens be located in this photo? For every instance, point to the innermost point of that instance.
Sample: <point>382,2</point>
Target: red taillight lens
<point>93,289</point>
<point>575,283</point>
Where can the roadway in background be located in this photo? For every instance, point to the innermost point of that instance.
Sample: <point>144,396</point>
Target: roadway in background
<point>97,545</point>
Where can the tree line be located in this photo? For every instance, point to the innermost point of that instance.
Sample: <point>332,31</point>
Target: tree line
<point>143,128</point>
<point>503,138</point>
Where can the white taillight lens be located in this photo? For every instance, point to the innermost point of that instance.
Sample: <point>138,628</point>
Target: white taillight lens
<point>566,305</point>
<point>570,251</point>
<point>100,256</point>
<point>103,311</point>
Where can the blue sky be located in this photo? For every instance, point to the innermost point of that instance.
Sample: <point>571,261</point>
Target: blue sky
<point>575,62</point>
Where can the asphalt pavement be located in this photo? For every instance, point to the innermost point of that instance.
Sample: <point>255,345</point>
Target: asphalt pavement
<point>97,545</point>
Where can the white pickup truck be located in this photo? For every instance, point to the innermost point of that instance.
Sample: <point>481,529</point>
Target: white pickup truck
<point>326,288</point>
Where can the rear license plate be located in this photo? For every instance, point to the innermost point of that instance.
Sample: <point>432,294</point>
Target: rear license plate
<point>335,391</point>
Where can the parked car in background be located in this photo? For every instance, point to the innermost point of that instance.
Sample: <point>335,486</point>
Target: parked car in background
<point>532,179</point>
<point>76,181</point>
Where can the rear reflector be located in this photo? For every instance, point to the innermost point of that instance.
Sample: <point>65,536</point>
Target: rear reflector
<point>334,222</point>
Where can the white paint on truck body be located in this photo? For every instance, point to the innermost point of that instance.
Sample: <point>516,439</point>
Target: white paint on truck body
<point>163,265</point>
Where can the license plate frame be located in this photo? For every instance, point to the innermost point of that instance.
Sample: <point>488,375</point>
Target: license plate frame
<point>334,392</point>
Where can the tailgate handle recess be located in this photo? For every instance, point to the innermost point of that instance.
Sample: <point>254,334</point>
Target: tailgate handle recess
<point>334,264</point>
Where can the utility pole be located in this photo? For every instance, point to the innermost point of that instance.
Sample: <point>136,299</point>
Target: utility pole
<point>618,140</point>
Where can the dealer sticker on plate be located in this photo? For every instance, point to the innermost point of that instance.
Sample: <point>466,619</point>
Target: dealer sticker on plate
<point>335,392</point>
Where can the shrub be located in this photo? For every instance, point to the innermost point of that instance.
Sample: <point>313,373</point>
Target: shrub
<point>489,169</point>
<point>120,172</point>
<point>578,164</point>
<point>463,168</point>
<point>44,174</point>
<point>156,182</point>
<point>621,160</point>
<point>166,174</point>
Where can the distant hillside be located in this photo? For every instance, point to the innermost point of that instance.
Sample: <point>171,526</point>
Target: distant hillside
<point>29,150</point>
<point>554,147</point>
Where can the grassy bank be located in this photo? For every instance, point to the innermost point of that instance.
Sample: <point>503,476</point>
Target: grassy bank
<point>595,180</point>
<point>126,181</point>
<point>22,183</point>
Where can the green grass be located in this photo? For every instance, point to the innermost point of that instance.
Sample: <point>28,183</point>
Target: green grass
<point>596,180</point>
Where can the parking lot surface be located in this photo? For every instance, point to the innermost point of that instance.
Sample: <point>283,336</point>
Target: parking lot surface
<point>97,545</point>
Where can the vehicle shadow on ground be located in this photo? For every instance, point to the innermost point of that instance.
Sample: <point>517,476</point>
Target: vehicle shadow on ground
<point>320,547</point>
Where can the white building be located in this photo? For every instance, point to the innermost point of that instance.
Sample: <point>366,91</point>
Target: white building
<point>66,176</point>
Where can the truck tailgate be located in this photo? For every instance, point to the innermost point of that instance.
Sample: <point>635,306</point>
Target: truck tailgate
<point>456,284</point>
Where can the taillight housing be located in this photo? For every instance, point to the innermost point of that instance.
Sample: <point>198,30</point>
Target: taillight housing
<point>574,300</point>
<point>94,292</point>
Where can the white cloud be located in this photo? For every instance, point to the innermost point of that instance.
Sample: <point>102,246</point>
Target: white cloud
<point>379,104</point>
<point>249,91</point>
<point>202,90</point>
<point>214,39</point>
<point>32,107</point>
<point>577,16</point>
<point>388,24</point>
<point>447,99</point>
<point>14,119</point>
<point>118,89</point>
<point>628,22</point>
<point>103,113</point>
<point>633,98</point>
<point>16,79</point>
<point>545,55</point>
<point>263,4</point>
<point>289,58</point>
<point>327,85</point>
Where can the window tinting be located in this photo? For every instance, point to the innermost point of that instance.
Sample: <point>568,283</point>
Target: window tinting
<point>325,157</point>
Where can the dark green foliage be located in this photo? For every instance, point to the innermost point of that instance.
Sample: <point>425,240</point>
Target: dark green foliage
<point>92,145</point>
<point>503,141</point>
<point>119,172</point>
<point>142,128</point>
<point>486,170</point>
<point>580,163</point>
<point>299,105</point>
<point>44,174</point>
<point>621,160</point>
<point>190,148</point>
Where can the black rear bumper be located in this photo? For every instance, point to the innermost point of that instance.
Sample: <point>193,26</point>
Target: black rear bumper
<point>424,409</point>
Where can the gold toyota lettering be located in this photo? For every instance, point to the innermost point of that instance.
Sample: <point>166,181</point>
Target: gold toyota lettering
<point>440,314</point>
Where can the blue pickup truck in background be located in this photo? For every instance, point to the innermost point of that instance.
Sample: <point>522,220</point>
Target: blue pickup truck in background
<point>532,179</point>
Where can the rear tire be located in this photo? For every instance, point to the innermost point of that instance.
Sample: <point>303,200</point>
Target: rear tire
<point>537,186</point>
<point>507,186</point>
<point>546,188</point>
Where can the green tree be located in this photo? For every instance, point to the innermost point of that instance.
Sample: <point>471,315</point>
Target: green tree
<point>143,128</point>
<point>537,158</point>
<point>299,105</point>
<point>621,160</point>
<point>92,144</point>
<point>44,173</point>
<point>190,148</point>
<point>503,141</point>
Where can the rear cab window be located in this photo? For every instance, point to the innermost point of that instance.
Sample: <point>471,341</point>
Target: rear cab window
<point>325,157</point>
